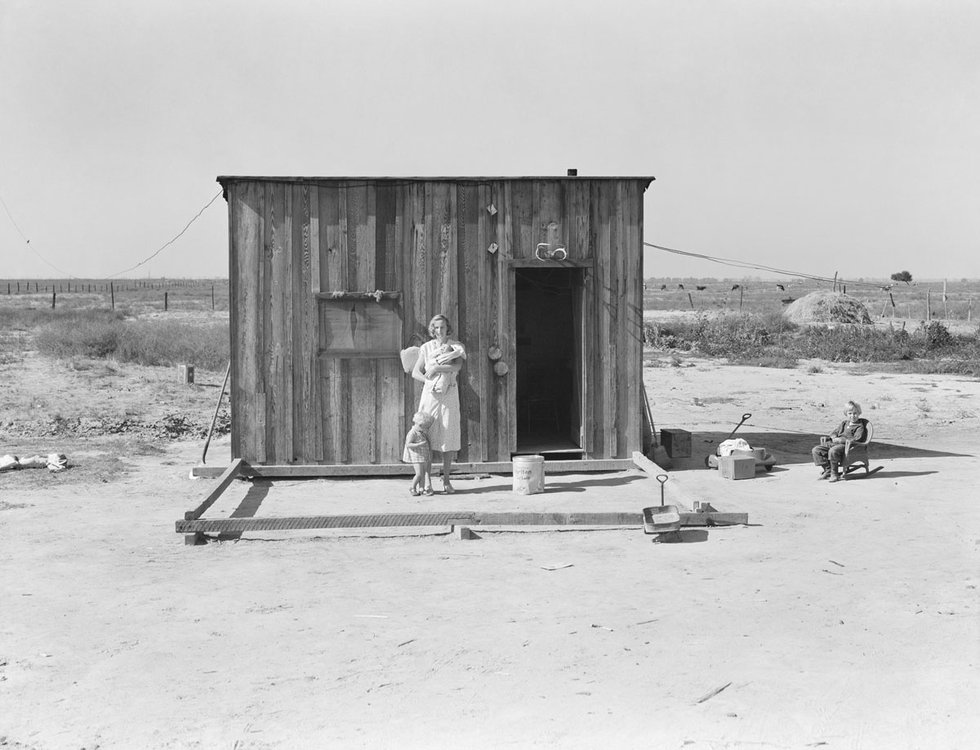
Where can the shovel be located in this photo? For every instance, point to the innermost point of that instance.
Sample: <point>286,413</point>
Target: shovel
<point>663,522</point>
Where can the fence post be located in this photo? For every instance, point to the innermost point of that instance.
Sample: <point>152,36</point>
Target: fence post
<point>740,299</point>
<point>165,301</point>
<point>112,296</point>
<point>54,298</point>
<point>928,306</point>
<point>212,296</point>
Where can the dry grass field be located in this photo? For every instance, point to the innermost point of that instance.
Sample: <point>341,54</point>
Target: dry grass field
<point>842,616</point>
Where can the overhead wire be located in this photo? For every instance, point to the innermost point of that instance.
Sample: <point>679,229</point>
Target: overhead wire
<point>147,259</point>
<point>761,267</point>
<point>27,241</point>
<point>170,241</point>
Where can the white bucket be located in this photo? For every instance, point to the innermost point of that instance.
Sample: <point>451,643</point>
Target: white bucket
<point>528,474</point>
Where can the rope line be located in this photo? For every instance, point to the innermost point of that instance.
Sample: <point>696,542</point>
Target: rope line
<point>28,242</point>
<point>171,241</point>
<point>150,257</point>
<point>760,267</point>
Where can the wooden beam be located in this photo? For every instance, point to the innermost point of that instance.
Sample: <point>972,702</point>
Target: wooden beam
<point>446,518</point>
<point>679,498</point>
<point>272,471</point>
<point>226,478</point>
<point>362,296</point>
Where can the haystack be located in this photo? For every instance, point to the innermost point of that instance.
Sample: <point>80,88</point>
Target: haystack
<point>827,307</point>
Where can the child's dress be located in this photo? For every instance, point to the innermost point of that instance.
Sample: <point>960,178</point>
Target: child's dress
<point>417,449</point>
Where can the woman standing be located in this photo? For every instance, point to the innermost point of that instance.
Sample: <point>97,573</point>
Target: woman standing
<point>437,366</point>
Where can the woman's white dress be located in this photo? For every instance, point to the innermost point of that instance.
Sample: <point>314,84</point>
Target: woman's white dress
<point>444,435</point>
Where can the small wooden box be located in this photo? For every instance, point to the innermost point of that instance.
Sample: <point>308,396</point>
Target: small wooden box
<point>757,453</point>
<point>185,373</point>
<point>677,443</point>
<point>737,467</point>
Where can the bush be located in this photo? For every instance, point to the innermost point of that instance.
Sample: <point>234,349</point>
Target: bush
<point>937,336</point>
<point>85,333</point>
<point>103,335</point>
<point>172,343</point>
<point>769,340</point>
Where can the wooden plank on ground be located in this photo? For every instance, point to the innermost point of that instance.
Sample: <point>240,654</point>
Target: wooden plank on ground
<point>676,496</point>
<point>400,469</point>
<point>441,518</point>
<point>229,474</point>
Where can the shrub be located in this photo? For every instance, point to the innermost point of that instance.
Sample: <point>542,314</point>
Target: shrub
<point>769,340</point>
<point>937,335</point>
<point>86,333</point>
<point>100,334</point>
<point>171,343</point>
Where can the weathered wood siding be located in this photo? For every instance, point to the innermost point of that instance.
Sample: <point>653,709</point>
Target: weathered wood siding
<point>303,391</point>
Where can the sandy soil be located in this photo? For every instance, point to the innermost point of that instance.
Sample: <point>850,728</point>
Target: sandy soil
<point>843,616</point>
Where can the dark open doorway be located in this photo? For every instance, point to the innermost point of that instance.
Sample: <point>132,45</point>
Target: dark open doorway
<point>549,361</point>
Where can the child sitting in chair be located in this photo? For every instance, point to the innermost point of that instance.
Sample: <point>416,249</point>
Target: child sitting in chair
<point>418,453</point>
<point>830,454</point>
<point>444,355</point>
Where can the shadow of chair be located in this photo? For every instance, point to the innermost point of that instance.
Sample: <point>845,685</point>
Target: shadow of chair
<point>856,452</point>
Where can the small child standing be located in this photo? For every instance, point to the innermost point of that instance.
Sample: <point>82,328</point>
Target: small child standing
<point>418,453</point>
<point>831,452</point>
<point>444,355</point>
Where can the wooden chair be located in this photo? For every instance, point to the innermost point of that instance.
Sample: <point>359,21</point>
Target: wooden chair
<point>856,452</point>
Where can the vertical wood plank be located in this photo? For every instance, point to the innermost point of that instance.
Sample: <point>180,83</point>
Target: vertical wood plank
<point>245,301</point>
<point>520,212</point>
<point>491,231</point>
<point>311,334</point>
<point>386,253</point>
<point>438,206</point>
<point>506,326</point>
<point>634,328</point>
<point>606,344</point>
<point>361,226</point>
<point>548,222</point>
<point>299,280</point>
<point>344,241</point>
<point>624,410</point>
<point>279,399</point>
<point>330,406</point>
<point>332,265</point>
<point>579,246</point>
<point>421,280</point>
<point>471,333</point>
<point>406,255</point>
<point>362,406</point>
<point>391,426</point>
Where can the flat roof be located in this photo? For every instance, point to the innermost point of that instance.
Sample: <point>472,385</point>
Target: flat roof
<point>224,179</point>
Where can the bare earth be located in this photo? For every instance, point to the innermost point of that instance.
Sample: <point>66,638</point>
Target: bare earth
<point>843,616</point>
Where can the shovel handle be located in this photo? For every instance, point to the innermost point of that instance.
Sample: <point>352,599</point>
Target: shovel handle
<point>744,417</point>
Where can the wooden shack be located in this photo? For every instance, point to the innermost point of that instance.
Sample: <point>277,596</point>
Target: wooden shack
<point>542,278</point>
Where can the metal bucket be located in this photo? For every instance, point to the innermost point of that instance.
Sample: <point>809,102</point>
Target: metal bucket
<point>528,474</point>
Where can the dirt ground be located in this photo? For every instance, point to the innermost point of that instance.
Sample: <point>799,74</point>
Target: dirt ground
<point>841,616</point>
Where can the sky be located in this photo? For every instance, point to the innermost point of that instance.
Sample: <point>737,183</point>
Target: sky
<point>812,137</point>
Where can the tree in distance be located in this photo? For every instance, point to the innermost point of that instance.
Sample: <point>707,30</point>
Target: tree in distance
<point>902,276</point>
